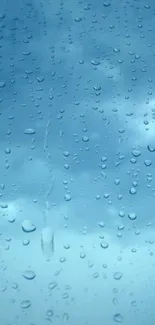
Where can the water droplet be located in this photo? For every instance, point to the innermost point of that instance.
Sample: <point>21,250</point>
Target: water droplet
<point>116,50</point>
<point>151,147</point>
<point>29,131</point>
<point>26,242</point>
<point>40,79</point>
<point>133,190</point>
<point>28,226</point>
<point>78,19</point>
<point>4,205</point>
<point>49,313</point>
<point>67,246</point>
<point>25,304</point>
<point>148,162</point>
<point>62,259</point>
<point>118,318</point>
<point>29,274</point>
<point>96,275</point>
<point>82,255</point>
<point>66,153</point>
<point>147,6</point>
<point>132,216</point>
<point>104,245</point>
<point>85,138</point>
<point>2,84</point>
<point>52,285</point>
<point>101,224</point>
<point>106,4</point>
<point>2,15</point>
<point>67,197</point>
<point>136,153</point>
<point>122,214</point>
<point>7,151</point>
<point>117,275</point>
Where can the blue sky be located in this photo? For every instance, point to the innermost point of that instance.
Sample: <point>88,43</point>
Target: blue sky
<point>78,77</point>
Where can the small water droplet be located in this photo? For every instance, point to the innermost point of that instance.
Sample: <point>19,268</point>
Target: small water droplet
<point>29,274</point>
<point>148,162</point>
<point>85,138</point>
<point>104,245</point>
<point>117,275</point>
<point>67,197</point>
<point>25,304</point>
<point>29,131</point>
<point>118,318</point>
<point>78,19</point>
<point>132,216</point>
<point>151,147</point>
<point>2,84</point>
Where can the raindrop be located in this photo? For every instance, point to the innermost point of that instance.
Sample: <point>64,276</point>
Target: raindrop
<point>133,190</point>
<point>49,313</point>
<point>136,153</point>
<point>122,214</point>
<point>40,79</point>
<point>147,6</point>
<point>29,274</point>
<point>62,259</point>
<point>118,318</point>
<point>116,50</point>
<point>96,275</point>
<point>26,242</point>
<point>104,245</point>
<point>11,219</point>
<point>78,19</point>
<point>2,84</point>
<point>151,148</point>
<point>101,224</point>
<point>52,285</point>
<point>106,4</point>
<point>148,162</point>
<point>29,131</point>
<point>95,62</point>
<point>66,153</point>
<point>4,205</point>
<point>132,216</point>
<point>25,304</point>
<point>85,139</point>
<point>117,275</point>
<point>67,246</point>
<point>7,151</point>
<point>28,226</point>
<point>67,197</point>
<point>82,255</point>
<point>2,16</point>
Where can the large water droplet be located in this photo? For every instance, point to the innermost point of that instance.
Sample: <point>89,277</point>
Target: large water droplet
<point>29,274</point>
<point>28,226</point>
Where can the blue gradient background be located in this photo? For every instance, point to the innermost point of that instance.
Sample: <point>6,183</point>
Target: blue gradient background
<point>81,75</point>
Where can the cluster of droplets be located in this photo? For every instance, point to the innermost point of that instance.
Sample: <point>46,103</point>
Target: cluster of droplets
<point>88,92</point>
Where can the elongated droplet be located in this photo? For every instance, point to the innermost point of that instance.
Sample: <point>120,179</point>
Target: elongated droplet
<point>47,242</point>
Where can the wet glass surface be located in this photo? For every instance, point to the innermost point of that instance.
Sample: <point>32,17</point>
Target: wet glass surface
<point>77,162</point>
